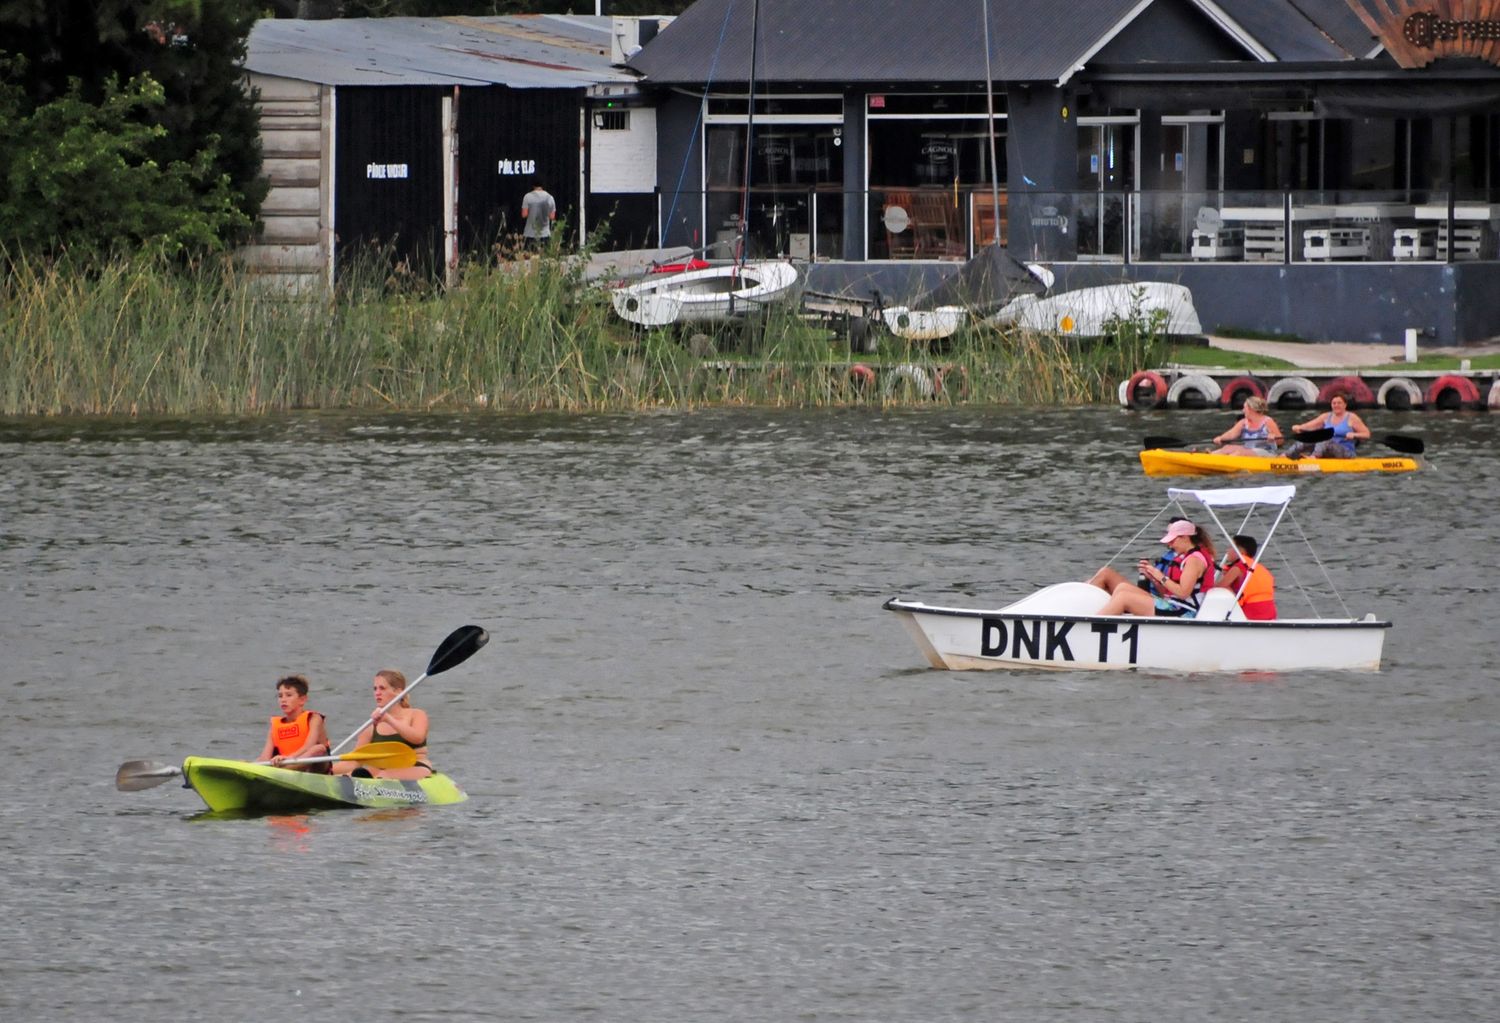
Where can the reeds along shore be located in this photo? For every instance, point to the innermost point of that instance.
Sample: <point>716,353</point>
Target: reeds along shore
<point>134,337</point>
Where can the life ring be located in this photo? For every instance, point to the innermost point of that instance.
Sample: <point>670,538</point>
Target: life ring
<point>1494,400</point>
<point>861,377</point>
<point>1125,393</point>
<point>1234,393</point>
<point>1451,392</point>
<point>1398,394</point>
<point>911,374</point>
<point>1356,392</point>
<point>1193,390</point>
<point>1146,389</point>
<point>1292,392</point>
<point>951,381</point>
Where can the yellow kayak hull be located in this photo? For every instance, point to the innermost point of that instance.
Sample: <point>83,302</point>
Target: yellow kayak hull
<point>1164,462</point>
<point>237,785</point>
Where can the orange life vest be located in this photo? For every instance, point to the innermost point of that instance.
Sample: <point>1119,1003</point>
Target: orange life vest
<point>1259,594</point>
<point>290,736</point>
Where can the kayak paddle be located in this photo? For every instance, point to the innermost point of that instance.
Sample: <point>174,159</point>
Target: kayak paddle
<point>460,645</point>
<point>135,775</point>
<point>1149,442</point>
<point>1405,445</point>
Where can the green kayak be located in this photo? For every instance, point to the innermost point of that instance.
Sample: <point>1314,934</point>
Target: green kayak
<point>241,785</point>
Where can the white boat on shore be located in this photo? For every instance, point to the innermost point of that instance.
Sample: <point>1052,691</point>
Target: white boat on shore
<point>698,296</point>
<point>1059,626</point>
<point>1093,312</point>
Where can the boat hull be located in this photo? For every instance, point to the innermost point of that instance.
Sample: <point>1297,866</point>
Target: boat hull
<point>1164,462</point>
<point>1094,312</point>
<point>699,296</point>
<point>237,785</point>
<point>965,639</point>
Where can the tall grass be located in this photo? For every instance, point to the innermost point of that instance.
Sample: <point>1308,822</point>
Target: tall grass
<point>128,337</point>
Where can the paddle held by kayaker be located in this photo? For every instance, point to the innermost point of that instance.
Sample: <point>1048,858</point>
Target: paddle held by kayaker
<point>297,732</point>
<point>399,722</point>
<point>1255,431</point>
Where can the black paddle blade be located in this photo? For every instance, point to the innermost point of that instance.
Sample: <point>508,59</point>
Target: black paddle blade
<point>135,775</point>
<point>1313,436</point>
<point>1405,445</point>
<point>457,648</point>
<point>1162,442</point>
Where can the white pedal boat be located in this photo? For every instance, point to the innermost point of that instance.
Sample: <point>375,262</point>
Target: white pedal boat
<point>1059,627</point>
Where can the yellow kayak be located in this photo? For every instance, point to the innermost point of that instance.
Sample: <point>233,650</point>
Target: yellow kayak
<point>1162,462</point>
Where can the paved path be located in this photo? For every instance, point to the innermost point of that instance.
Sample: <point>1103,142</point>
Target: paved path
<point>1340,356</point>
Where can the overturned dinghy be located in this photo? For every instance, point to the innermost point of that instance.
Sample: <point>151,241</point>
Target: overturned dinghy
<point>1059,626</point>
<point>698,296</point>
<point>1095,312</point>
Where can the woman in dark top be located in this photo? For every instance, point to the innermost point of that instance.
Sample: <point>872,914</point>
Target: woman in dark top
<point>401,723</point>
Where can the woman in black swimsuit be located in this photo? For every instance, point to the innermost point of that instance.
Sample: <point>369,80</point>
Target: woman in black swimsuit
<point>402,723</point>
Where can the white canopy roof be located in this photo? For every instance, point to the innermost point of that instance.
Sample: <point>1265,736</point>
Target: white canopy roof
<point>1239,496</point>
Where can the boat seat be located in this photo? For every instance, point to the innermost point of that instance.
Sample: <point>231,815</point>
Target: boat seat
<point>1071,598</point>
<point>1219,605</point>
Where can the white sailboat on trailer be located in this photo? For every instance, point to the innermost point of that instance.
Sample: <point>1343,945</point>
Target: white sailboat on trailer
<point>715,293</point>
<point>1059,626</point>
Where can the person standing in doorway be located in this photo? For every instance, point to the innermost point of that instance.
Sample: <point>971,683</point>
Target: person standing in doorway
<point>539,210</point>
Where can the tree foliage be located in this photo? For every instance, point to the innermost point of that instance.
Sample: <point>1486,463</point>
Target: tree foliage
<point>444,8</point>
<point>169,158</point>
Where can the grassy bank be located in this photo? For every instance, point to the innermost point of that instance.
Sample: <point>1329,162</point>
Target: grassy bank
<point>129,338</point>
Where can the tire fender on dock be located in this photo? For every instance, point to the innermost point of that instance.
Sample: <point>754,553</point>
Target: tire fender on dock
<point>951,382</point>
<point>1451,392</point>
<point>1292,393</point>
<point>1146,389</point>
<point>1494,399</point>
<point>1193,390</point>
<point>861,377</point>
<point>1356,391</point>
<point>1234,393</point>
<point>910,374</point>
<point>1399,394</point>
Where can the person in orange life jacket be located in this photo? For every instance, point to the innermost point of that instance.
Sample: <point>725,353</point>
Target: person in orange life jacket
<point>401,723</point>
<point>1175,590</point>
<point>1258,599</point>
<point>1346,426</point>
<point>297,732</point>
<point>1256,432</point>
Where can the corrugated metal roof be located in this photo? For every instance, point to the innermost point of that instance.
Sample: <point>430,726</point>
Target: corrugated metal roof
<point>881,41</point>
<point>1286,29</point>
<point>1338,19</point>
<point>543,51</point>
<point>840,41</point>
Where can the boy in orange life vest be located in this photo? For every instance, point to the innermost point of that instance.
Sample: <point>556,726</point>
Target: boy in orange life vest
<point>297,731</point>
<point>1258,599</point>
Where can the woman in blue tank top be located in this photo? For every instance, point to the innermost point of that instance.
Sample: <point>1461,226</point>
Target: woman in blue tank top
<point>1256,433</point>
<point>1346,426</point>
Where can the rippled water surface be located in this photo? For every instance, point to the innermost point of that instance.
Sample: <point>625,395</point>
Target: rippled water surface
<point>710,778</point>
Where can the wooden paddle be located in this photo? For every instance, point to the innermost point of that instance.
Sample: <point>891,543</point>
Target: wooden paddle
<point>1153,441</point>
<point>135,775</point>
<point>460,645</point>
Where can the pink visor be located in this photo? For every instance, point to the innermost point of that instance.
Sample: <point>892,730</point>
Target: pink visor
<point>1176,529</point>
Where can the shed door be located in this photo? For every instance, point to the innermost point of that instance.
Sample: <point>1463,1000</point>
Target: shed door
<point>507,139</point>
<point>388,202</point>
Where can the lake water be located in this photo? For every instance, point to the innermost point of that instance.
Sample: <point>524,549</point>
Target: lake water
<point>710,778</point>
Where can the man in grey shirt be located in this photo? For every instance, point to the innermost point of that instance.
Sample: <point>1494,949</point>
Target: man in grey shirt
<point>539,210</point>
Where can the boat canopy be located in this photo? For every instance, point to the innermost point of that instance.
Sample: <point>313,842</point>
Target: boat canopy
<point>1237,497</point>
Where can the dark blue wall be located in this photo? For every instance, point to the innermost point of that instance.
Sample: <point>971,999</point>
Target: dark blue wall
<point>679,169</point>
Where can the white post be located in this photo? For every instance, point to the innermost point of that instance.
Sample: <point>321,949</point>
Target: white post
<point>1411,344</point>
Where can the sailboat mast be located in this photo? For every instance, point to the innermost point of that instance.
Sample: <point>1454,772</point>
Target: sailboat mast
<point>989,104</point>
<point>749,136</point>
